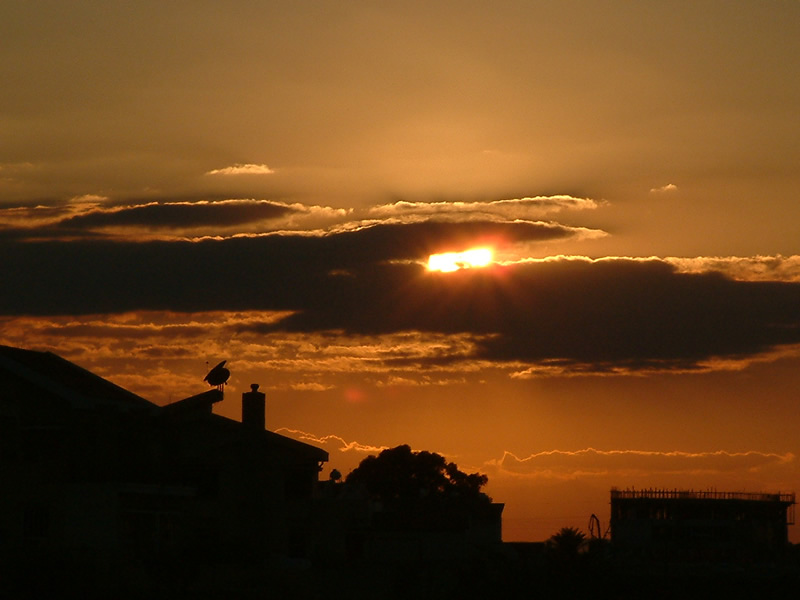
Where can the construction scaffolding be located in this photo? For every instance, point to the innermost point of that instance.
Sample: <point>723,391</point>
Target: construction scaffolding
<point>783,498</point>
<point>709,522</point>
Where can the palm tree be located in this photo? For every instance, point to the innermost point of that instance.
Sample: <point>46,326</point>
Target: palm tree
<point>567,543</point>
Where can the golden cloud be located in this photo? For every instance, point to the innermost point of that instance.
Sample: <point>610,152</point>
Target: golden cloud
<point>242,169</point>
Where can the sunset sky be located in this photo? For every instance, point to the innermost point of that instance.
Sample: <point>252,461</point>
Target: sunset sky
<point>264,182</point>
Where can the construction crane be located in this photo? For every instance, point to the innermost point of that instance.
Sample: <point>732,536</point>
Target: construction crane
<point>595,531</point>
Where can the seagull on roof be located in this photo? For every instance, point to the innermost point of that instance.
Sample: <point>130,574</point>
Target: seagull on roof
<point>218,376</point>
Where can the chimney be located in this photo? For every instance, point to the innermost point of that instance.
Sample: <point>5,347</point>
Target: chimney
<point>253,408</point>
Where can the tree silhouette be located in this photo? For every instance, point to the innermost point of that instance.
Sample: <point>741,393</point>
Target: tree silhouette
<point>420,488</point>
<point>567,543</point>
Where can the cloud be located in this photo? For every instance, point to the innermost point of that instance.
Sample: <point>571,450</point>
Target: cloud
<point>36,221</point>
<point>417,239</point>
<point>24,219</point>
<point>747,268</point>
<point>519,208</point>
<point>670,187</point>
<point>591,462</point>
<point>91,217</point>
<point>311,387</point>
<point>141,349</point>
<point>242,169</point>
<point>557,315</point>
<point>180,215</point>
<point>335,441</point>
<point>414,380</point>
<point>602,316</point>
<point>176,219</point>
<point>88,199</point>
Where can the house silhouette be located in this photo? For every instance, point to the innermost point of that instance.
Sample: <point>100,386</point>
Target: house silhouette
<point>94,471</point>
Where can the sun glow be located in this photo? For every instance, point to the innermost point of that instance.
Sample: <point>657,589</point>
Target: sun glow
<point>453,261</point>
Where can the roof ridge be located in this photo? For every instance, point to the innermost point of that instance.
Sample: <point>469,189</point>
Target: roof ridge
<point>10,360</point>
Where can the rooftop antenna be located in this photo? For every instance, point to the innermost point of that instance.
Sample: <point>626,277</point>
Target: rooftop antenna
<point>218,376</point>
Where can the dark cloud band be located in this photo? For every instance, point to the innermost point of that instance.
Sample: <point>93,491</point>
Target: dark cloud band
<point>180,215</point>
<point>577,314</point>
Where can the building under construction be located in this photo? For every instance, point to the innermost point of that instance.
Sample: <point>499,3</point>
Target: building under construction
<point>700,525</point>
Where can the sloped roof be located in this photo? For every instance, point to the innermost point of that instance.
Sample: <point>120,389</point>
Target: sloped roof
<point>81,388</point>
<point>195,412</point>
<point>199,403</point>
<point>293,444</point>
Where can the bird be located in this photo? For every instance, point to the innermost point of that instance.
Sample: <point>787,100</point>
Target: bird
<point>218,376</point>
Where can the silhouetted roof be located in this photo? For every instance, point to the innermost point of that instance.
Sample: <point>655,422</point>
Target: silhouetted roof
<point>234,432</point>
<point>199,403</point>
<point>296,445</point>
<point>51,373</point>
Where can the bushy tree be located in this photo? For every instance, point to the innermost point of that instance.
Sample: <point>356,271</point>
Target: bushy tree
<point>399,476</point>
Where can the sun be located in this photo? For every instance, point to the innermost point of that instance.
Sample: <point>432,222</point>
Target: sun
<point>453,261</point>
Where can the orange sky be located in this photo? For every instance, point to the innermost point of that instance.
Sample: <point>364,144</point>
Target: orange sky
<point>264,183</point>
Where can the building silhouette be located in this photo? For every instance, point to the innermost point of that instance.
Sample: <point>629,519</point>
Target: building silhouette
<point>94,471</point>
<point>700,525</point>
<point>95,475</point>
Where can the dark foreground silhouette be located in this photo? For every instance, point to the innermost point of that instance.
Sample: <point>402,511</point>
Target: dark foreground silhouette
<point>509,571</point>
<point>104,494</point>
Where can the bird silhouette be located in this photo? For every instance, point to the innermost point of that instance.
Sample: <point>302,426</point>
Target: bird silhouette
<point>218,376</point>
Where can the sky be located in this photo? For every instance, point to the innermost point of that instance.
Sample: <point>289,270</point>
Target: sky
<point>264,183</point>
